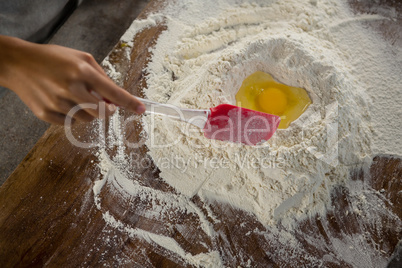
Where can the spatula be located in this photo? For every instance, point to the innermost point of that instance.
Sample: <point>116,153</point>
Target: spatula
<point>224,122</point>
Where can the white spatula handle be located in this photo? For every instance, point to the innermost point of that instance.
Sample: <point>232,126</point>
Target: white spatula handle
<point>193,116</point>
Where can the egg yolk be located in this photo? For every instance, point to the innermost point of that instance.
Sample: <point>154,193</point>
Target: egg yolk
<point>272,101</point>
<point>262,93</point>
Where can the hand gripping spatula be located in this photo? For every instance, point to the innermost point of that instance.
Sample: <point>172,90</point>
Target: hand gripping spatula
<point>224,122</point>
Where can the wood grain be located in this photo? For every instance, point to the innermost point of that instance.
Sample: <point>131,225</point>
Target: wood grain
<point>48,216</point>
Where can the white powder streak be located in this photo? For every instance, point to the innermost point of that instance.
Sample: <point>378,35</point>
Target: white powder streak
<point>138,26</point>
<point>208,260</point>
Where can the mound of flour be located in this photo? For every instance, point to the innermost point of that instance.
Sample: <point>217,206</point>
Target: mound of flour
<point>201,61</point>
<point>351,74</point>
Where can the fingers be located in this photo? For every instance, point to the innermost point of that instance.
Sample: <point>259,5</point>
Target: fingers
<point>54,118</point>
<point>71,109</point>
<point>81,95</point>
<point>95,65</point>
<point>110,91</point>
<point>102,89</point>
<point>57,114</point>
<point>53,107</point>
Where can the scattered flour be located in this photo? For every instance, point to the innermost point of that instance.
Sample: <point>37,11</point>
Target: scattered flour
<point>208,260</point>
<point>200,61</point>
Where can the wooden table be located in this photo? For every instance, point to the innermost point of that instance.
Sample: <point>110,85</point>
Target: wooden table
<point>48,216</point>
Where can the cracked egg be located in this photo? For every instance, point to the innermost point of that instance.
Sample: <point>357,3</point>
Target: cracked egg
<point>261,92</point>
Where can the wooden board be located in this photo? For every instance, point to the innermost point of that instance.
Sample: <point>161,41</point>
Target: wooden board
<point>48,216</point>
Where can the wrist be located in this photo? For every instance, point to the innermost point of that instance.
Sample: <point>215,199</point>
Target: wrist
<point>10,57</point>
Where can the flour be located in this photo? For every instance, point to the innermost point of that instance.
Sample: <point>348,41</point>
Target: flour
<point>290,176</point>
<point>209,260</point>
<point>200,61</point>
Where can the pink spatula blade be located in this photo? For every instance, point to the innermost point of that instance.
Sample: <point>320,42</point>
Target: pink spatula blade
<point>232,123</point>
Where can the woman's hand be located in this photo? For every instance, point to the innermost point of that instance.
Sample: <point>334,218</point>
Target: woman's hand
<point>52,79</point>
